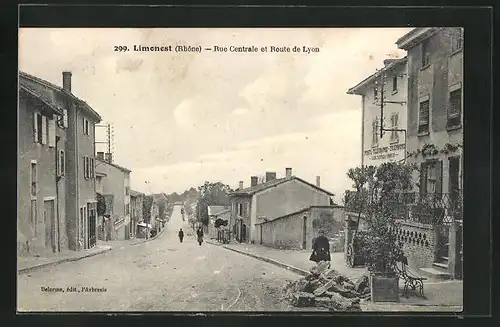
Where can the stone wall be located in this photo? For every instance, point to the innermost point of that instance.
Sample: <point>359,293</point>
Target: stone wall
<point>419,243</point>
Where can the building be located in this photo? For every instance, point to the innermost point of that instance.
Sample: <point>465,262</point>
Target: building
<point>114,182</point>
<point>274,198</point>
<point>435,132</point>
<point>158,209</point>
<point>56,189</point>
<point>136,216</point>
<point>384,96</point>
<point>298,229</point>
<point>215,213</point>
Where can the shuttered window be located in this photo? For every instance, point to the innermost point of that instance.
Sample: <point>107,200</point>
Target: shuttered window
<point>34,179</point>
<point>423,117</point>
<point>394,127</point>
<point>374,132</point>
<point>52,133</point>
<point>454,108</point>
<point>44,130</point>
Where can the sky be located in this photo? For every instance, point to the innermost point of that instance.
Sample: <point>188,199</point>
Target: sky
<point>182,118</point>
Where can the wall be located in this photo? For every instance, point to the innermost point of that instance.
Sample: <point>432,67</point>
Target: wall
<point>284,199</point>
<point>419,243</point>
<point>445,71</point>
<point>46,170</point>
<point>385,150</point>
<point>113,184</point>
<point>246,219</point>
<point>288,232</point>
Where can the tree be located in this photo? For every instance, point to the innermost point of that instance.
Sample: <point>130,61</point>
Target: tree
<point>376,196</point>
<point>146,207</point>
<point>211,194</point>
<point>101,204</point>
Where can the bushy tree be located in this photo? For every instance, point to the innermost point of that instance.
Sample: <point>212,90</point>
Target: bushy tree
<point>101,204</point>
<point>211,194</point>
<point>147,202</point>
<point>376,194</point>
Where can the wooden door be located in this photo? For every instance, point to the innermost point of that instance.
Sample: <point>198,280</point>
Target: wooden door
<point>49,218</point>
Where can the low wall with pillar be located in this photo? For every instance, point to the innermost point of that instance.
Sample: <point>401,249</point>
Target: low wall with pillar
<point>419,243</point>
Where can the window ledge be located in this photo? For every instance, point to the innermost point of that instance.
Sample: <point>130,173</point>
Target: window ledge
<point>394,92</point>
<point>423,134</point>
<point>374,146</point>
<point>453,128</point>
<point>456,51</point>
<point>425,67</point>
<point>394,141</point>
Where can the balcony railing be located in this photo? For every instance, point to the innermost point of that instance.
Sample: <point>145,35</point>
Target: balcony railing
<point>427,208</point>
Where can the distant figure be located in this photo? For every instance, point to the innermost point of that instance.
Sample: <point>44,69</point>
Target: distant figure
<point>181,235</point>
<point>199,233</point>
<point>321,248</point>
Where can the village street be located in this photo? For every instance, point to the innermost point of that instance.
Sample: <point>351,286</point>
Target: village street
<point>160,275</point>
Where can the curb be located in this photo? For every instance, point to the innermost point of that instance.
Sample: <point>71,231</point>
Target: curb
<point>296,270</point>
<point>150,239</point>
<point>55,263</point>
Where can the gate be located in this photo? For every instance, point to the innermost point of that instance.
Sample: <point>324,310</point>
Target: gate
<point>91,224</point>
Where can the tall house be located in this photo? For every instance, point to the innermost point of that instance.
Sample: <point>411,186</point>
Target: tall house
<point>114,184</point>
<point>62,205</point>
<point>383,95</point>
<point>435,97</point>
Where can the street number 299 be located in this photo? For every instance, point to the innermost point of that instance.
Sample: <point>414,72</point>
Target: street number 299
<point>121,48</point>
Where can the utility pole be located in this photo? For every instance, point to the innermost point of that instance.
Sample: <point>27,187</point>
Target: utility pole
<point>382,105</point>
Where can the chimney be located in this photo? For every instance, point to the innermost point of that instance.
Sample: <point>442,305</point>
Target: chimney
<point>270,176</point>
<point>109,157</point>
<point>288,172</point>
<point>67,81</point>
<point>100,156</point>
<point>254,180</point>
<point>241,185</point>
<point>318,183</point>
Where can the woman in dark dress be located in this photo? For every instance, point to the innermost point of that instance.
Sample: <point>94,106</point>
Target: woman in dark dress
<point>199,233</point>
<point>321,248</point>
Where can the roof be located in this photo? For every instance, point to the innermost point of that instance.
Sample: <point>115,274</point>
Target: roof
<point>37,96</point>
<point>300,211</point>
<point>158,196</point>
<point>115,165</point>
<point>357,89</point>
<point>217,210</point>
<point>100,174</point>
<point>415,36</point>
<point>275,182</point>
<point>62,90</point>
<point>135,193</point>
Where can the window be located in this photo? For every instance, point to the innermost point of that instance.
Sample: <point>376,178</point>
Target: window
<point>34,217</point>
<point>127,209</point>
<point>127,190</point>
<point>86,126</point>
<point>38,128</point>
<point>423,119</point>
<point>425,53</point>
<point>375,132</point>
<point>34,179</point>
<point>395,83</point>
<point>240,209</point>
<point>81,222</point>
<point>457,39</point>
<point>454,108</point>
<point>375,94</point>
<point>61,167</point>
<point>431,181</point>
<point>394,126</point>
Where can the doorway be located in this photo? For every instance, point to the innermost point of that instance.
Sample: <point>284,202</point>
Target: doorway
<point>91,225</point>
<point>49,221</point>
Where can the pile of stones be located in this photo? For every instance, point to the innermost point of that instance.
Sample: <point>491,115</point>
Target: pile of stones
<point>327,288</point>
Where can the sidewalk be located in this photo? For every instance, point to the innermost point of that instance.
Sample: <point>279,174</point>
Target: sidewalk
<point>440,295</point>
<point>27,264</point>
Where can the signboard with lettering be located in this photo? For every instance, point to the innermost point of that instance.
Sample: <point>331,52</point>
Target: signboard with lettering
<point>386,153</point>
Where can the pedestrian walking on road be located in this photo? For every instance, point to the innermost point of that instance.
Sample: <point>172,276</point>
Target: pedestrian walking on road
<point>199,232</point>
<point>181,235</point>
<point>321,248</point>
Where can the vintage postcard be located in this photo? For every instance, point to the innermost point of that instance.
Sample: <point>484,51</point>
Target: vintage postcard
<point>240,169</point>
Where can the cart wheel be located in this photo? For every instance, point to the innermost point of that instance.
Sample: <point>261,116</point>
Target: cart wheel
<point>350,256</point>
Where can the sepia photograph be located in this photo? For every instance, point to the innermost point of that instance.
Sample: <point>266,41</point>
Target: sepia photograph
<point>240,169</point>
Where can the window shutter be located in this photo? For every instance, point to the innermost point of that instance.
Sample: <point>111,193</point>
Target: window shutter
<point>44,130</point>
<point>85,167</point>
<point>65,118</point>
<point>35,126</point>
<point>52,133</point>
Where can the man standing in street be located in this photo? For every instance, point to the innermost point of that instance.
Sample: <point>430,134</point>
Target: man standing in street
<point>199,233</point>
<point>181,235</point>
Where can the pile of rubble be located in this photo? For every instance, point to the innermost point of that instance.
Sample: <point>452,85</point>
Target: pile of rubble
<point>325,287</point>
